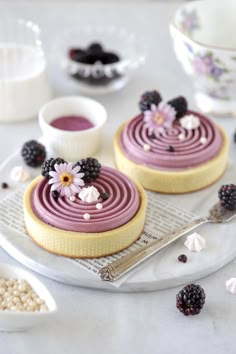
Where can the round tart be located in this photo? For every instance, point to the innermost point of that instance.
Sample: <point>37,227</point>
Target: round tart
<point>106,216</point>
<point>171,150</point>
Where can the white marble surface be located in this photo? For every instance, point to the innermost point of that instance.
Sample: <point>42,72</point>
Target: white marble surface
<point>92,321</point>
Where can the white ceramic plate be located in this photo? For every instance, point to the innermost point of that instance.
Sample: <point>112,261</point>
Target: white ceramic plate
<point>162,271</point>
<point>20,321</point>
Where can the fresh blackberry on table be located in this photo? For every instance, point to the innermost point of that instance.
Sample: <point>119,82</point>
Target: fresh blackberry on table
<point>182,258</point>
<point>180,105</point>
<point>90,167</point>
<point>190,300</point>
<point>227,196</point>
<point>148,98</point>
<point>235,136</point>
<point>48,165</point>
<point>33,153</point>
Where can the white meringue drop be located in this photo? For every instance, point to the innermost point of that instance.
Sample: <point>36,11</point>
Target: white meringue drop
<point>231,285</point>
<point>89,194</point>
<point>190,122</point>
<point>195,242</point>
<point>19,174</point>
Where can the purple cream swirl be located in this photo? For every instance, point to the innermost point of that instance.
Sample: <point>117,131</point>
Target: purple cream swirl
<point>187,153</point>
<point>120,207</point>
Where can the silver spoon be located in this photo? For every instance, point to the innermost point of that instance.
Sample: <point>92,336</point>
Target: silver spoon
<point>116,269</point>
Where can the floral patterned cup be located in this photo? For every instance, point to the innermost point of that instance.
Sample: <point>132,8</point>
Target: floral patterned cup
<point>207,52</point>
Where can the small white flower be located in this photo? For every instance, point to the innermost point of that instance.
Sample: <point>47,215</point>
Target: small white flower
<point>66,179</point>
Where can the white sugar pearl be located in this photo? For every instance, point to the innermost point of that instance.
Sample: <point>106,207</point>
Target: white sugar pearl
<point>72,198</point>
<point>99,206</point>
<point>22,288</point>
<point>181,136</point>
<point>2,282</point>
<point>86,216</point>
<point>15,300</point>
<point>16,293</point>
<point>40,301</point>
<point>146,147</point>
<point>43,308</point>
<point>203,140</point>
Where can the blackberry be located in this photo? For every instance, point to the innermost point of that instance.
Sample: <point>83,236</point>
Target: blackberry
<point>183,258</point>
<point>235,136</point>
<point>180,105</point>
<point>190,300</point>
<point>104,195</point>
<point>148,98</point>
<point>76,54</point>
<point>33,153</point>
<point>170,148</point>
<point>109,58</point>
<point>152,136</point>
<point>48,165</point>
<point>90,167</point>
<point>95,48</point>
<point>55,194</point>
<point>227,196</point>
<point>4,185</point>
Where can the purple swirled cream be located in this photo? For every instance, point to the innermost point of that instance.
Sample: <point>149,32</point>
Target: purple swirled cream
<point>83,210</point>
<point>119,208</point>
<point>188,152</point>
<point>169,148</point>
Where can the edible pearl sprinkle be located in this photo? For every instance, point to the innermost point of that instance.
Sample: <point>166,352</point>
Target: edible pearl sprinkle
<point>203,140</point>
<point>86,216</point>
<point>18,295</point>
<point>99,206</point>
<point>146,147</point>
<point>181,136</point>
<point>72,198</point>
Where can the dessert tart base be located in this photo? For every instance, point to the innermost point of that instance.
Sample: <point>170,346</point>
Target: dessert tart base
<point>173,182</point>
<point>81,244</point>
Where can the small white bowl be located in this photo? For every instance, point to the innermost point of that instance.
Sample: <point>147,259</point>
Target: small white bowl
<point>207,52</point>
<point>72,145</point>
<point>21,321</point>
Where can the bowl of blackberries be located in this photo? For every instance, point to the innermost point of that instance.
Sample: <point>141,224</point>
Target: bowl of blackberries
<point>99,59</point>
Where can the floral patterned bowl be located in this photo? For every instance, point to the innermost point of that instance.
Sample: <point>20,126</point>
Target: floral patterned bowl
<point>207,52</point>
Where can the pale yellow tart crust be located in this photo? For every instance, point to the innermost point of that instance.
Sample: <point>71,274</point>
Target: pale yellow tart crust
<point>174,182</point>
<point>80,244</point>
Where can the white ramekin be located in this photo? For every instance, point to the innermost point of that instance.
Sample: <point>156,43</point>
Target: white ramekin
<point>72,145</point>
